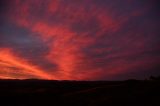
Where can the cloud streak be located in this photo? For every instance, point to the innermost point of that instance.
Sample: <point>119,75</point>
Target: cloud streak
<point>12,64</point>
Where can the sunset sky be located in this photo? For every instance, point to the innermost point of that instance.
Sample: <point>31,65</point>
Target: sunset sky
<point>79,39</point>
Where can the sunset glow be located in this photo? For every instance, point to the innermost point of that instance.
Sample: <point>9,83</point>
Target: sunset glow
<point>79,39</point>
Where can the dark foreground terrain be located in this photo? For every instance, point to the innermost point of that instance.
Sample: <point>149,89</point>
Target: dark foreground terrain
<point>79,93</point>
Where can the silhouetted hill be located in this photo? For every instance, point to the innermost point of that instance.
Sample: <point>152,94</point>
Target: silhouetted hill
<point>79,93</point>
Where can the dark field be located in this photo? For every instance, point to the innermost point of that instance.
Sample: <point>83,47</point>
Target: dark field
<point>79,93</point>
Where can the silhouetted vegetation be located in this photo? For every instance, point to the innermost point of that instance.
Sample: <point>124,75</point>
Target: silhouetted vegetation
<point>34,92</point>
<point>154,78</point>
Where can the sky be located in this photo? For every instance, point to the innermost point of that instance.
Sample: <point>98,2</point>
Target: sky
<point>79,39</point>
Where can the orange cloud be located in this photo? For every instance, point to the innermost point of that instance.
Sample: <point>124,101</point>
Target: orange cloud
<point>9,61</point>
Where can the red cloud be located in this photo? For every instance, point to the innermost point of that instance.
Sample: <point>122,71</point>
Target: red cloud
<point>78,49</point>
